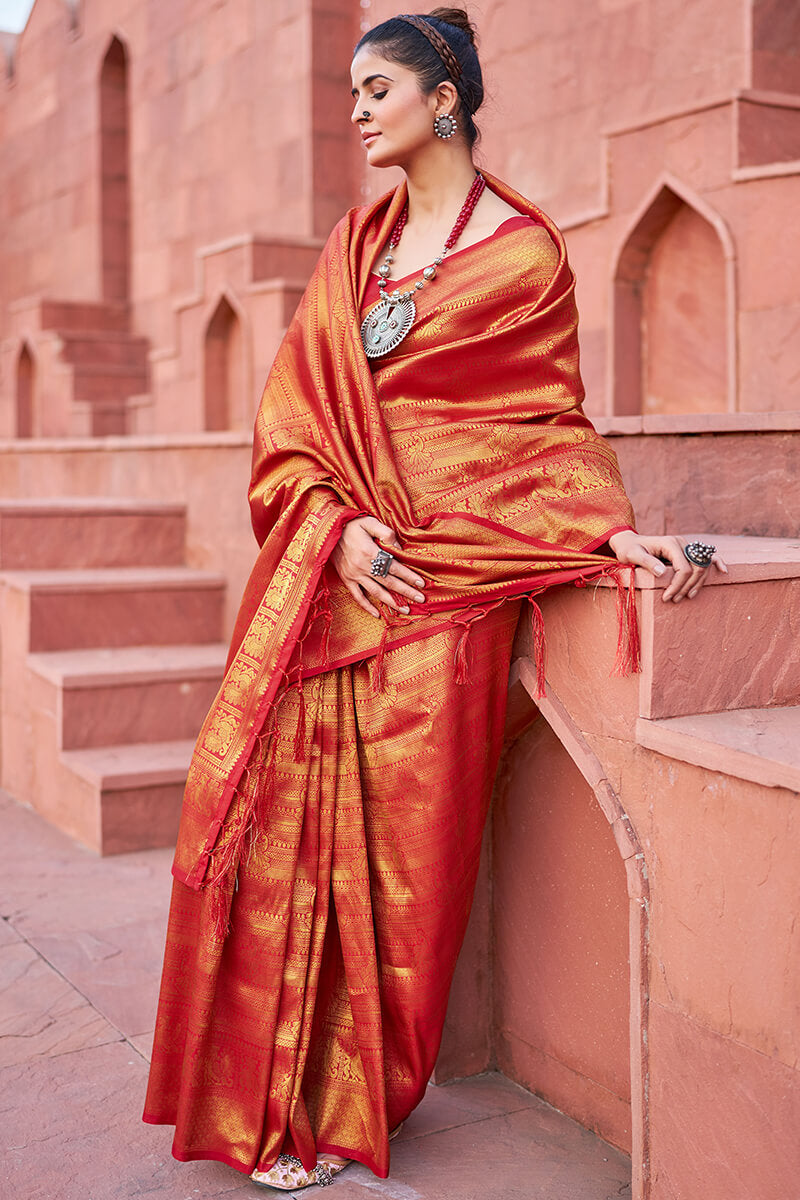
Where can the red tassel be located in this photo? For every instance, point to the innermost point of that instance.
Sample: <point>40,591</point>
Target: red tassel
<point>539,648</point>
<point>629,659</point>
<point>249,803</point>
<point>461,656</point>
<point>220,912</point>
<point>266,787</point>
<point>378,669</point>
<point>300,732</point>
<point>327,617</point>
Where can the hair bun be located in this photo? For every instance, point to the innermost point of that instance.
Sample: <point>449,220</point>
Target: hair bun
<point>457,17</point>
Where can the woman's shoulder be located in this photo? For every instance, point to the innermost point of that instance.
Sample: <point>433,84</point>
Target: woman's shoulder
<point>536,239</point>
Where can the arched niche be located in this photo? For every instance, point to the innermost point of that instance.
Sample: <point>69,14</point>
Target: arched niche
<point>674,310</point>
<point>25,391</point>
<point>223,376</point>
<point>114,173</point>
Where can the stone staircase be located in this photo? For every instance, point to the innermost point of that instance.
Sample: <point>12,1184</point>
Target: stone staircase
<point>109,363</point>
<point>720,680</point>
<point>112,653</point>
<point>724,693</point>
<point>90,366</point>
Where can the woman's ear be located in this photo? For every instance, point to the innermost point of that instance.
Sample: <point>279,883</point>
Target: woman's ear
<point>447,99</point>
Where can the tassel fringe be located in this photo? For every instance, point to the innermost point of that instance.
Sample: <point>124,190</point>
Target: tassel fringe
<point>300,733</point>
<point>254,793</point>
<point>539,647</point>
<point>379,665</point>
<point>628,660</point>
<point>461,657</point>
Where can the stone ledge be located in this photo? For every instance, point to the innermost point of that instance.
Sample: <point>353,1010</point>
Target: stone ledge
<point>683,423</point>
<point>749,559</point>
<point>134,442</point>
<point>120,768</point>
<point>128,665</point>
<point>93,505</point>
<point>117,579</point>
<point>761,745</point>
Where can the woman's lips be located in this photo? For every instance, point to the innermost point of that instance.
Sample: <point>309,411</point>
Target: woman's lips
<point>367,138</point>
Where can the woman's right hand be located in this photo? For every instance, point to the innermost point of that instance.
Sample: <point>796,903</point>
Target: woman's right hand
<point>352,558</point>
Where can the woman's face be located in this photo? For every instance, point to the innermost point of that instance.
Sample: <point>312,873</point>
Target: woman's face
<point>401,117</point>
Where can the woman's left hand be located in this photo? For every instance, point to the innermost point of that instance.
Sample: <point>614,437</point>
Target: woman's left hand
<point>631,547</point>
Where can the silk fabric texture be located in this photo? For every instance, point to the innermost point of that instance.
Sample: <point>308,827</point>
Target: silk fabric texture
<point>331,825</point>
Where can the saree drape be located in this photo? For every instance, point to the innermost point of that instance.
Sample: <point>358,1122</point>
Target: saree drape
<point>334,806</point>
<point>469,441</point>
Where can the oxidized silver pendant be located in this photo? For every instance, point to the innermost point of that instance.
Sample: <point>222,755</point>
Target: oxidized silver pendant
<point>385,326</point>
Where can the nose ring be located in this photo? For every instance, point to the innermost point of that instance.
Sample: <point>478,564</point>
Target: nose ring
<point>366,114</point>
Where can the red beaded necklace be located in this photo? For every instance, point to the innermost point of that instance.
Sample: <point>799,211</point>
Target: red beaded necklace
<point>385,325</point>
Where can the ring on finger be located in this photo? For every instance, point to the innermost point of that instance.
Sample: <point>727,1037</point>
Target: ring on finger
<point>380,564</point>
<point>699,554</point>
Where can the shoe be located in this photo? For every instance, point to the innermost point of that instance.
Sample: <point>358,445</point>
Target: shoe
<point>289,1174</point>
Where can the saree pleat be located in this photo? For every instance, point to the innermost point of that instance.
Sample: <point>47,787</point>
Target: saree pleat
<point>314,1023</point>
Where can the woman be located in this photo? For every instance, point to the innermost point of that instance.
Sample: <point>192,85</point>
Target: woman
<point>421,466</point>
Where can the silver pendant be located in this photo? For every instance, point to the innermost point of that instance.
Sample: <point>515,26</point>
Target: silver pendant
<point>385,326</point>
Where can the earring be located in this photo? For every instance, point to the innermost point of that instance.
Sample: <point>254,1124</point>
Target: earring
<point>445,125</point>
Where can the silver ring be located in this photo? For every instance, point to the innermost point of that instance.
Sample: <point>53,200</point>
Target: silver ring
<point>381,563</point>
<point>699,554</point>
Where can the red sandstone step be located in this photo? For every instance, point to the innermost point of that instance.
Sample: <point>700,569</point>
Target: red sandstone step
<point>90,532</point>
<point>123,606</point>
<point>734,646</point>
<point>131,795</point>
<point>103,348</point>
<point>99,384</point>
<point>759,744</point>
<point>68,314</point>
<point>103,697</point>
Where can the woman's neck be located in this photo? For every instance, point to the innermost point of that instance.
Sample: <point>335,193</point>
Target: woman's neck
<point>438,186</point>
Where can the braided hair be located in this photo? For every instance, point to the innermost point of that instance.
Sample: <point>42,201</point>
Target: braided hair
<point>445,50</point>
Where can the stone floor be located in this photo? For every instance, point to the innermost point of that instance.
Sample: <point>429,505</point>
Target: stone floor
<point>80,952</point>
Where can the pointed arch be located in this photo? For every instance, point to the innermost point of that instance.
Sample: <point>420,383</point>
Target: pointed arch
<point>224,374</point>
<point>25,391</point>
<point>674,309</point>
<point>114,173</point>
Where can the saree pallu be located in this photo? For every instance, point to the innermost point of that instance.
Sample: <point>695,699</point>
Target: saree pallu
<point>333,812</point>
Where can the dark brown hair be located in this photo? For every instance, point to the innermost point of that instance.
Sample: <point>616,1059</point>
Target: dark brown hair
<point>401,42</point>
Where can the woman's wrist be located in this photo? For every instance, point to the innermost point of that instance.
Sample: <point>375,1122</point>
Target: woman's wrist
<point>620,536</point>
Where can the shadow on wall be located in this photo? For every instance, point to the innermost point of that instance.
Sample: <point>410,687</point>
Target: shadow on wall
<point>114,173</point>
<point>26,374</point>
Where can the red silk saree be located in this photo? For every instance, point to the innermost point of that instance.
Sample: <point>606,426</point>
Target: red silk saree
<point>334,807</point>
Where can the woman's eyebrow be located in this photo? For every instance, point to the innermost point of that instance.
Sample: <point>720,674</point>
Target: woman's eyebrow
<point>371,79</point>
